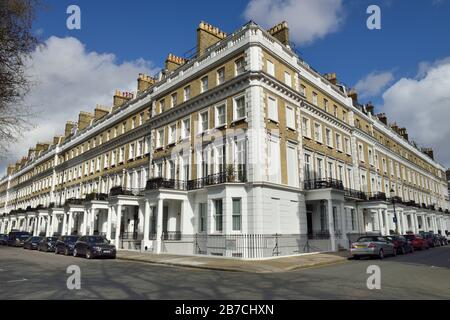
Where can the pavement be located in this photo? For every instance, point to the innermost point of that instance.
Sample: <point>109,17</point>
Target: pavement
<point>32,275</point>
<point>279,264</point>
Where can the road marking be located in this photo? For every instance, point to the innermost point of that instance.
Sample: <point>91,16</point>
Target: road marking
<point>20,280</point>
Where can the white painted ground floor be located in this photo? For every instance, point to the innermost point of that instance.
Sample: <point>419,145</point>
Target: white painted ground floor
<point>231,219</point>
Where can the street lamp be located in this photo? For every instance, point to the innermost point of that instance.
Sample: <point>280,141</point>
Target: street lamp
<point>392,193</point>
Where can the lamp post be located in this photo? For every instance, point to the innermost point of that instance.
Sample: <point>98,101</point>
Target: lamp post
<point>392,193</point>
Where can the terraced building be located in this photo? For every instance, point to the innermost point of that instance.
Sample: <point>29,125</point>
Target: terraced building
<point>241,150</point>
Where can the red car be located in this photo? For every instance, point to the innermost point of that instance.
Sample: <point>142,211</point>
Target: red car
<point>417,242</point>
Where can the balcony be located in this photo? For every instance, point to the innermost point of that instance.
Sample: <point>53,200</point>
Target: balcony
<point>74,201</point>
<point>327,183</point>
<point>120,191</point>
<point>229,176</point>
<point>96,196</point>
<point>351,193</point>
<point>377,196</point>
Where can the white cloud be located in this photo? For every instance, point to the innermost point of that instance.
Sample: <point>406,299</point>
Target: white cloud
<point>422,105</point>
<point>69,79</point>
<point>373,84</point>
<point>308,20</point>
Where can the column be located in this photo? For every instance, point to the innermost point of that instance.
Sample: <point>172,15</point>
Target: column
<point>386,225</point>
<point>331,226</point>
<point>69,223</point>
<point>92,220</point>
<point>109,222</point>
<point>118,222</point>
<point>416,220</point>
<point>64,221</point>
<point>146,224</point>
<point>85,222</point>
<point>405,222</point>
<point>159,223</point>
<point>380,222</point>
<point>39,221</point>
<point>48,226</point>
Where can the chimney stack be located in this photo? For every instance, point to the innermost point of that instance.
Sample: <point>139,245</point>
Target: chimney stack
<point>370,108</point>
<point>144,82</point>
<point>280,32</point>
<point>207,35</point>
<point>69,129</point>
<point>352,94</point>
<point>428,152</point>
<point>100,112</point>
<point>120,98</point>
<point>84,120</point>
<point>57,140</point>
<point>403,133</point>
<point>10,169</point>
<point>331,77</point>
<point>173,62</point>
<point>382,117</point>
<point>394,126</point>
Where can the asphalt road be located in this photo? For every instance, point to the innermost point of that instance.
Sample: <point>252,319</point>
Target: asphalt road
<point>28,274</point>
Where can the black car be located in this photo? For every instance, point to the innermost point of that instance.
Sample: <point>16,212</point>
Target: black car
<point>3,239</point>
<point>65,245</point>
<point>17,238</point>
<point>32,243</point>
<point>47,244</point>
<point>94,246</point>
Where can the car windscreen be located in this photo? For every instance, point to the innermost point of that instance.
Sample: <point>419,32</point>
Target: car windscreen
<point>97,240</point>
<point>51,239</point>
<point>409,236</point>
<point>23,236</point>
<point>36,239</point>
<point>367,239</point>
<point>72,239</point>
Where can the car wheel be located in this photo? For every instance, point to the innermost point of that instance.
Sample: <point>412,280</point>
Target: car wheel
<point>381,254</point>
<point>66,252</point>
<point>88,254</point>
<point>75,253</point>
<point>356,257</point>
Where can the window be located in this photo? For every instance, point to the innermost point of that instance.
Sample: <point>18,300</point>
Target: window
<point>328,138</point>
<point>348,148</point>
<point>113,158</point>
<point>187,93</point>
<point>330,170</point>
<point>303,90</point>
<point>314,98</point>
<point>203,211</point>
<point>92,166</point>
<point>384,165</point>
<point>203,121</point>
<point>220,76</point>
<point>240,66</point>
<point>171,169</point>
<point>106,161</point>
<point>318,132</point>
<point>204,85</point>
<point>338,142</point>
<point>335,111</point>
<point>160,138</point>
<point>121,154</point>
<point>391,167</point>
<point>307,169</point>
<point>344,116</point>
<point>239,108</point>
<point>274,159</point>
<point>273,109</point>
<point>353,218</point>
<point>237,213</point>
<point>98,163</point>
<point>287,79</point>
<point>124,127</point>
<point>141,118</point>
<point>186,128</point>
<point>292,165</point>
<point>270,68</point>
<point>158,170</point>
<point>290,117</point>
<point>131,151</point>
<point>319,169</point>
<point>174,99</point>
<point>139,148</point>
<point>220,115</point>
<point>162,105</point>
<point>370,157</point>
<point>172,133</point>
<point>361,153</point>
<point>218,214</point>
<point>306,127</point>
<point>325,104</point>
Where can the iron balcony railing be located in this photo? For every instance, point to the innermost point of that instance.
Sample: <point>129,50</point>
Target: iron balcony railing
<point>213,179</point>
<point>377,196</point>
<point>325,183</point>
<point>74,201</point>
<point>96,196</point>
<point>351,193</point>
<point>118,191</point>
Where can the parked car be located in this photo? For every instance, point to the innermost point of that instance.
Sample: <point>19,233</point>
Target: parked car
<point>32,243</point>
<point>430,238</point>
<point>417,241</point>
<point>3,239</point>
<point>65,245</point>
<point>401,244</point>
<point>443,240</point>
<point>94,246</point>
<point>372,246</point>
<point>17,238</point>
<point>47,244</point>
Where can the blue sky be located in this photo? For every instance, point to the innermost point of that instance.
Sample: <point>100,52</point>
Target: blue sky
<point>412,32</point>
<point>404,68</point>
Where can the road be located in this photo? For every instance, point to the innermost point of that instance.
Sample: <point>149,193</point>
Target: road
<point>28,274</point>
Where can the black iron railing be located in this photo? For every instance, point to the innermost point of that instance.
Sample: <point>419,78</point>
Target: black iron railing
<point>157,183</point>
<point>377,196</point>
<point>351,193</point>
<point>74,201</point>
<point>118,191</point>
<point>326,183</point>
<point>96,196</point>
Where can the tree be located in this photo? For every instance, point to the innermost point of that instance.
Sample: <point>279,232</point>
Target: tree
<point>16,44</point>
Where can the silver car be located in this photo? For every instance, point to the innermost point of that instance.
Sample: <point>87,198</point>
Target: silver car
<point>372,246</point>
